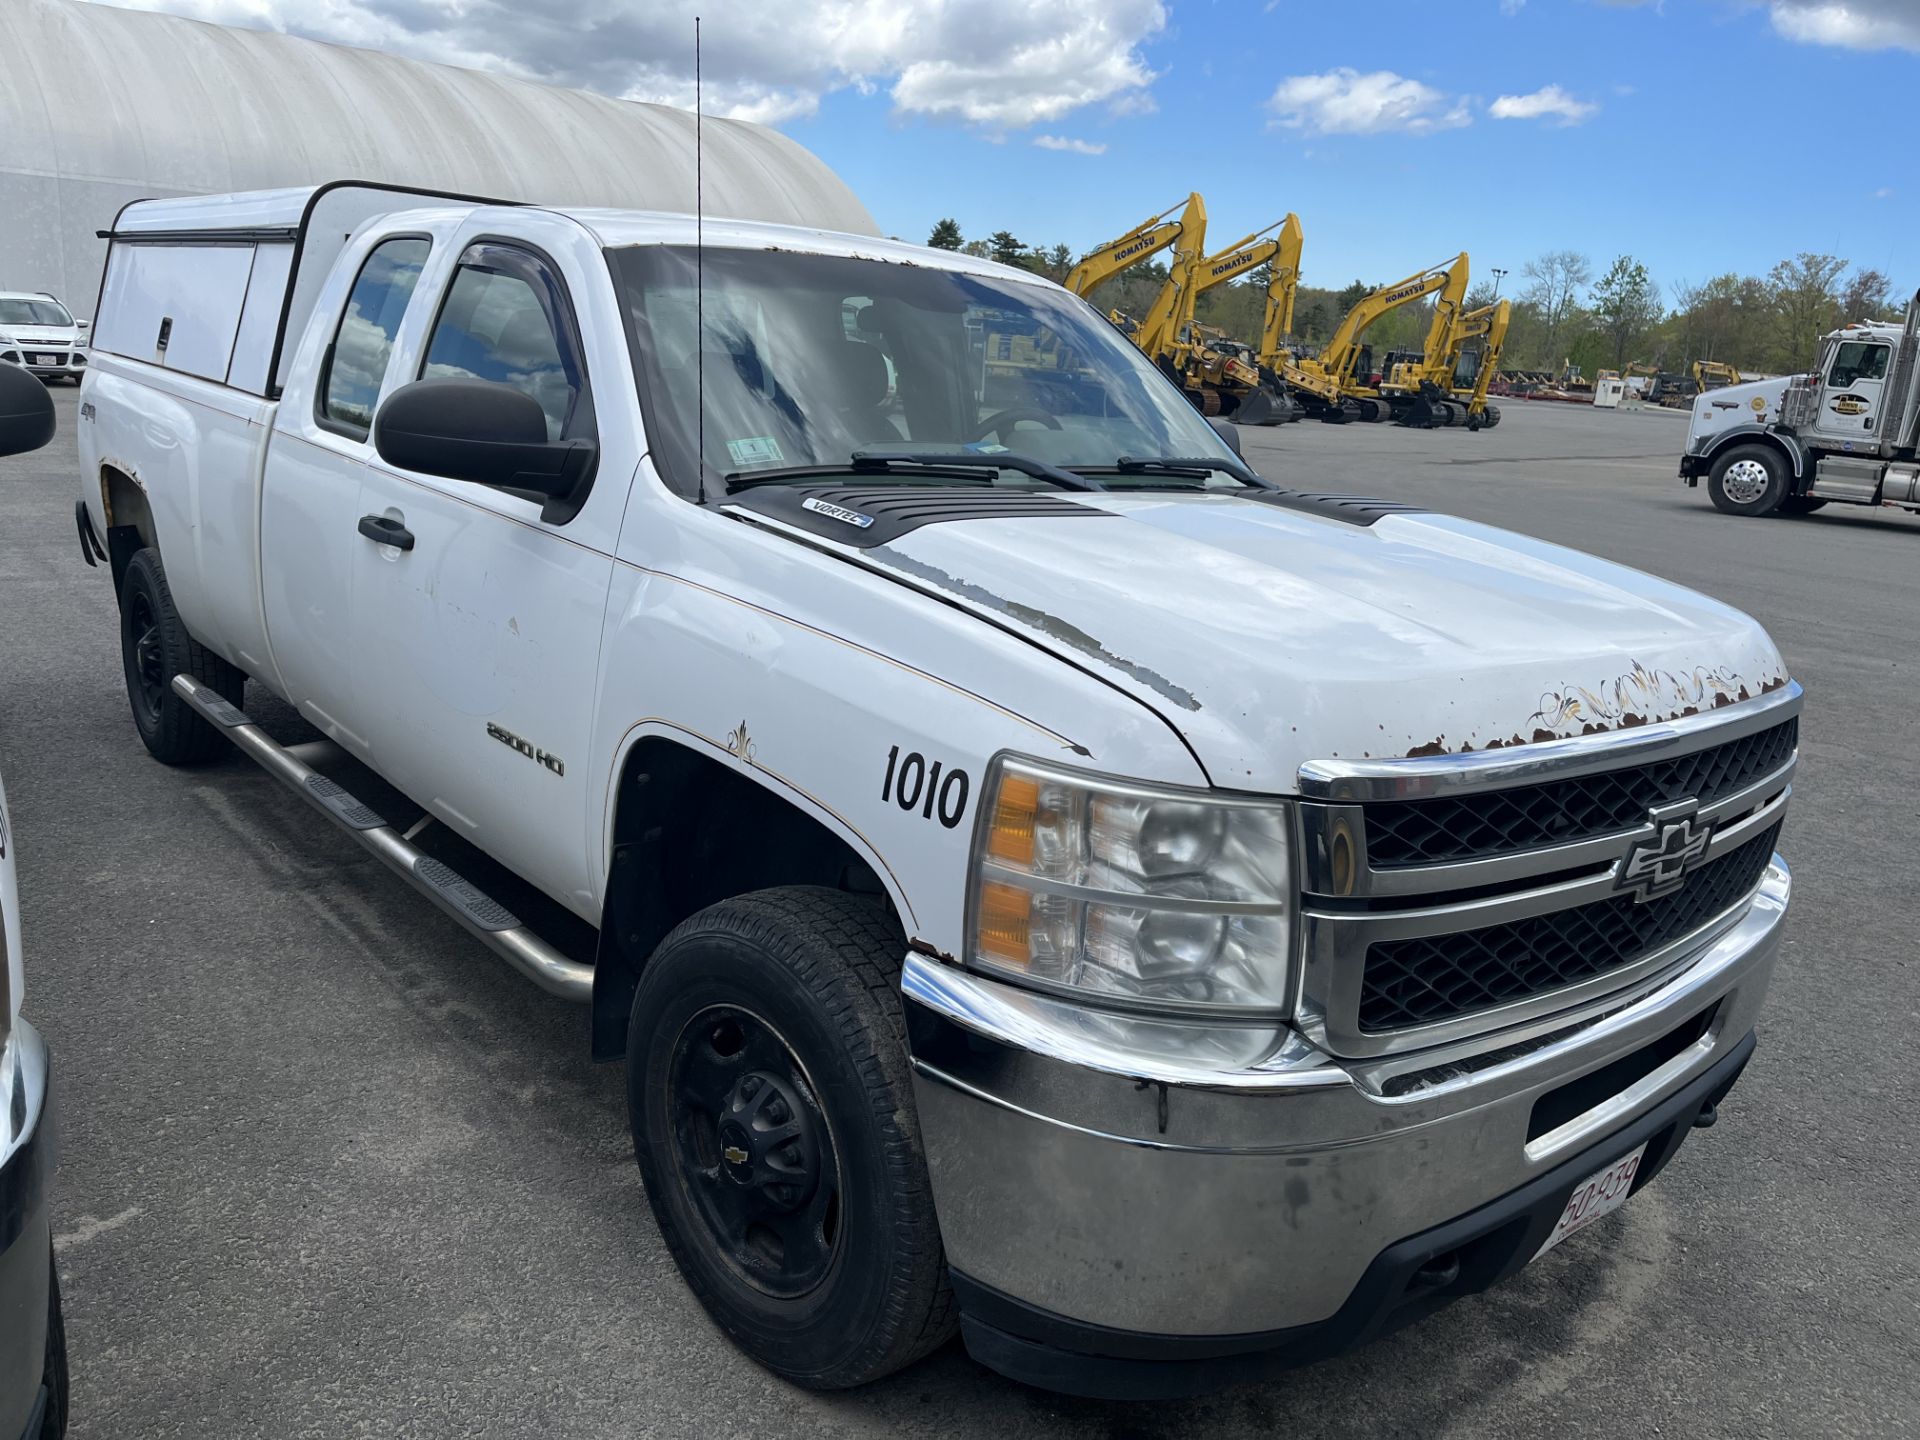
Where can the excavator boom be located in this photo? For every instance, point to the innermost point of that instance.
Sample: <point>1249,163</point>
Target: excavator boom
<point>1145,240</point>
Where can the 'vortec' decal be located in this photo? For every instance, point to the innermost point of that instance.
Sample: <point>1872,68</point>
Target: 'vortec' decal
<point>526,748</point>
<point>836,512</point>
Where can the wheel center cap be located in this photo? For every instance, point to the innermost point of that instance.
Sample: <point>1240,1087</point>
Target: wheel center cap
<point>766,1140</point>
<point>736,1152</point>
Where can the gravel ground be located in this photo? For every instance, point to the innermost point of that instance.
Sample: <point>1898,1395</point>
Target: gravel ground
<point>330,1169</point>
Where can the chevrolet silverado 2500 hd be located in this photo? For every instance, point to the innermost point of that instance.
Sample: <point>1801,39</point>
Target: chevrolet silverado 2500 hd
<point>1050,881</point>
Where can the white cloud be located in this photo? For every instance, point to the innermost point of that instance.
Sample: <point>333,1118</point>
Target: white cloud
<point>1885,192</point>
<point>979,62</point>
<point>1512,7</point>
<point>1065,142</point>
<point>1856,25</point>
<point>1548,102</point>
<point>1345,102</point>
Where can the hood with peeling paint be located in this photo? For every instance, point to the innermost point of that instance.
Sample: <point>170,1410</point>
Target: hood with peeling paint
<point>1270,637</point>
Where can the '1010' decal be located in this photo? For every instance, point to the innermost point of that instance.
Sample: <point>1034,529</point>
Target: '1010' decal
<point>911,785</point>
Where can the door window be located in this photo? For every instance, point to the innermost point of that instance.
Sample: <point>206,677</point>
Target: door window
<point>357,360</point>
<point>1856,360</point>
<point>506,319</point>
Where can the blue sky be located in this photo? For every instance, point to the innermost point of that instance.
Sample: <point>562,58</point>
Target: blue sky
<point>1710,140</point>
<point>1698,135</point>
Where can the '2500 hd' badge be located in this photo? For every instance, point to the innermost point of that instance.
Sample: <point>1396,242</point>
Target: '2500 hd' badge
<point>527,748</point>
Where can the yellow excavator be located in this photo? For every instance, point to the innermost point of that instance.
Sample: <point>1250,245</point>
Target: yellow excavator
<point>1467,404</point>
<point>1329,385</point>
<point>1253,395</point>
<point>1416,388</point>
<point>1713,374</point>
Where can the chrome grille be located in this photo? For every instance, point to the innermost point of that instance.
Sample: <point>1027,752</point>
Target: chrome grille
<point>1499,822</point>
<point>1427,978</point>
<point>1448,897</point>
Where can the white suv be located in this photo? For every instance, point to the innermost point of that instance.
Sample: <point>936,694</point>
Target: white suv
<point>37,331</point>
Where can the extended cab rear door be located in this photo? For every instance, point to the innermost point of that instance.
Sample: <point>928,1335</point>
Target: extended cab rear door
<point>478,647</point>
<point>316,462</point>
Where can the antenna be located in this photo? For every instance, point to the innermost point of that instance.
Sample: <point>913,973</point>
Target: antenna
<point>699,274</point>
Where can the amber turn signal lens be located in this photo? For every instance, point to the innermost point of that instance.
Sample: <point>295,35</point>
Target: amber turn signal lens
<point>1015,810</point>
<point>1003,922</point>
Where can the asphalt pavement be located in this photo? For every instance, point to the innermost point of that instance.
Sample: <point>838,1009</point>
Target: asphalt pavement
<point>328,1168</point>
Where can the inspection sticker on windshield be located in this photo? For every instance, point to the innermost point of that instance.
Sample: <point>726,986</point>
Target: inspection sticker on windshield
<point>755,450</point>
<point>836,512</point>
<point>1597,1195</point>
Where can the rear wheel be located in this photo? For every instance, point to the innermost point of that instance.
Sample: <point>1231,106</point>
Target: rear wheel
<point>154,647</point>
<point>1748,480</point>
<point>772,1109</point>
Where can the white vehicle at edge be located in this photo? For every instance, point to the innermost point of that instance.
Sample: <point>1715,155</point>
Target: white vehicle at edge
<point>38,333</point>
<point>33,1348</point>
<point>1046,876</point>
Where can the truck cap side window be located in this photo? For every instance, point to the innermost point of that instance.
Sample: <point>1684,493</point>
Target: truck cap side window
<point>1858,360</point>
<point>356,361</point>
<point>506,319</point>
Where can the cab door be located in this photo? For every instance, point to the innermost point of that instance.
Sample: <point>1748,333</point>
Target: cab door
<point>477,619</point>
<point>1850,400</point>
<point>310,494</point>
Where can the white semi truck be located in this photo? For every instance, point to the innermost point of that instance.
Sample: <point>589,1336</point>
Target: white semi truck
<point>1050,881</point>
<point>1848,431</point>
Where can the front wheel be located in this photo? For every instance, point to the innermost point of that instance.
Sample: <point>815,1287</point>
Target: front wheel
<point>1748,480</point>
<point>771,1101</point>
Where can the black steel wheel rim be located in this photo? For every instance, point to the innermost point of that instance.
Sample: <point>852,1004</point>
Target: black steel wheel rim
<point>755,1153</point>
<point>149,659</point>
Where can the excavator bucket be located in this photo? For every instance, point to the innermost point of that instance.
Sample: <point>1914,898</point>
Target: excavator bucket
<point>1262,406</point>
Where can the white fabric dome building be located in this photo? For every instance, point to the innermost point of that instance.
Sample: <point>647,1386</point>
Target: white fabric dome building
<point>100,106</point>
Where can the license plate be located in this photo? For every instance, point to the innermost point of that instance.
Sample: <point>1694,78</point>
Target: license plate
<point>43,359</point>
<point>1599,1194</point>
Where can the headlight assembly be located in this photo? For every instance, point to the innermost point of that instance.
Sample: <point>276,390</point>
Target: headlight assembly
<point>1171,900</point>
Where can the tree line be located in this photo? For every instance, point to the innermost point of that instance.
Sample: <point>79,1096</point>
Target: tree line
<point>1564,310</point>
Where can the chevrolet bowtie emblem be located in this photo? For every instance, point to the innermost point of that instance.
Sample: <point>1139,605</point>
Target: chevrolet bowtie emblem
<point>735,1155</point>
<point>1659,866</point>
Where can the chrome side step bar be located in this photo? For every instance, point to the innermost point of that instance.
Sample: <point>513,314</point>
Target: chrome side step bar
<point>489,921</point>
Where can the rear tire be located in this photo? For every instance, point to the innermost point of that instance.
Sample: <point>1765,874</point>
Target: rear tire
<point>771,1100</point>
<point>1748,480</point>
<point>154,647</point>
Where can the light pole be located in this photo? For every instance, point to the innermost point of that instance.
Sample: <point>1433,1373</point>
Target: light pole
<point>1498,276</point>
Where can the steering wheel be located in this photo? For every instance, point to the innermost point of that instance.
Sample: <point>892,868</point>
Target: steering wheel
<point>1004,420</point>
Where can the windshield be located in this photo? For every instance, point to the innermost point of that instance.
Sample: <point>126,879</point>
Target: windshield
<point>34,312</point>
<point>810,359</point>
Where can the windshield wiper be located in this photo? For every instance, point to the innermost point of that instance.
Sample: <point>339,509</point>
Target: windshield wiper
<point>962,465</point>
<point>1177,467</point>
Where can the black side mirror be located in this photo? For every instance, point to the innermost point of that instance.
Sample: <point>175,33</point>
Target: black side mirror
<point>26,411</point>
<point>487,434</point>
<point>1229,432</point>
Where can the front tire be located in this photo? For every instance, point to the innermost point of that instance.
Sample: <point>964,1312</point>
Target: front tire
<point>771,1101</point>
<point>1748,480</point>
<point>154,647</point>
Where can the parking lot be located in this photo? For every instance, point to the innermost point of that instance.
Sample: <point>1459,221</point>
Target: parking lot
<point>329,1168</point>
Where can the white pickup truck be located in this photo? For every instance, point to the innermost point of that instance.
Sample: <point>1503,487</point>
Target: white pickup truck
<point>1049,880</point>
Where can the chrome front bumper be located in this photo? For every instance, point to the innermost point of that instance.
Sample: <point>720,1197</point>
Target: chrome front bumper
<point>1102,1187</point>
